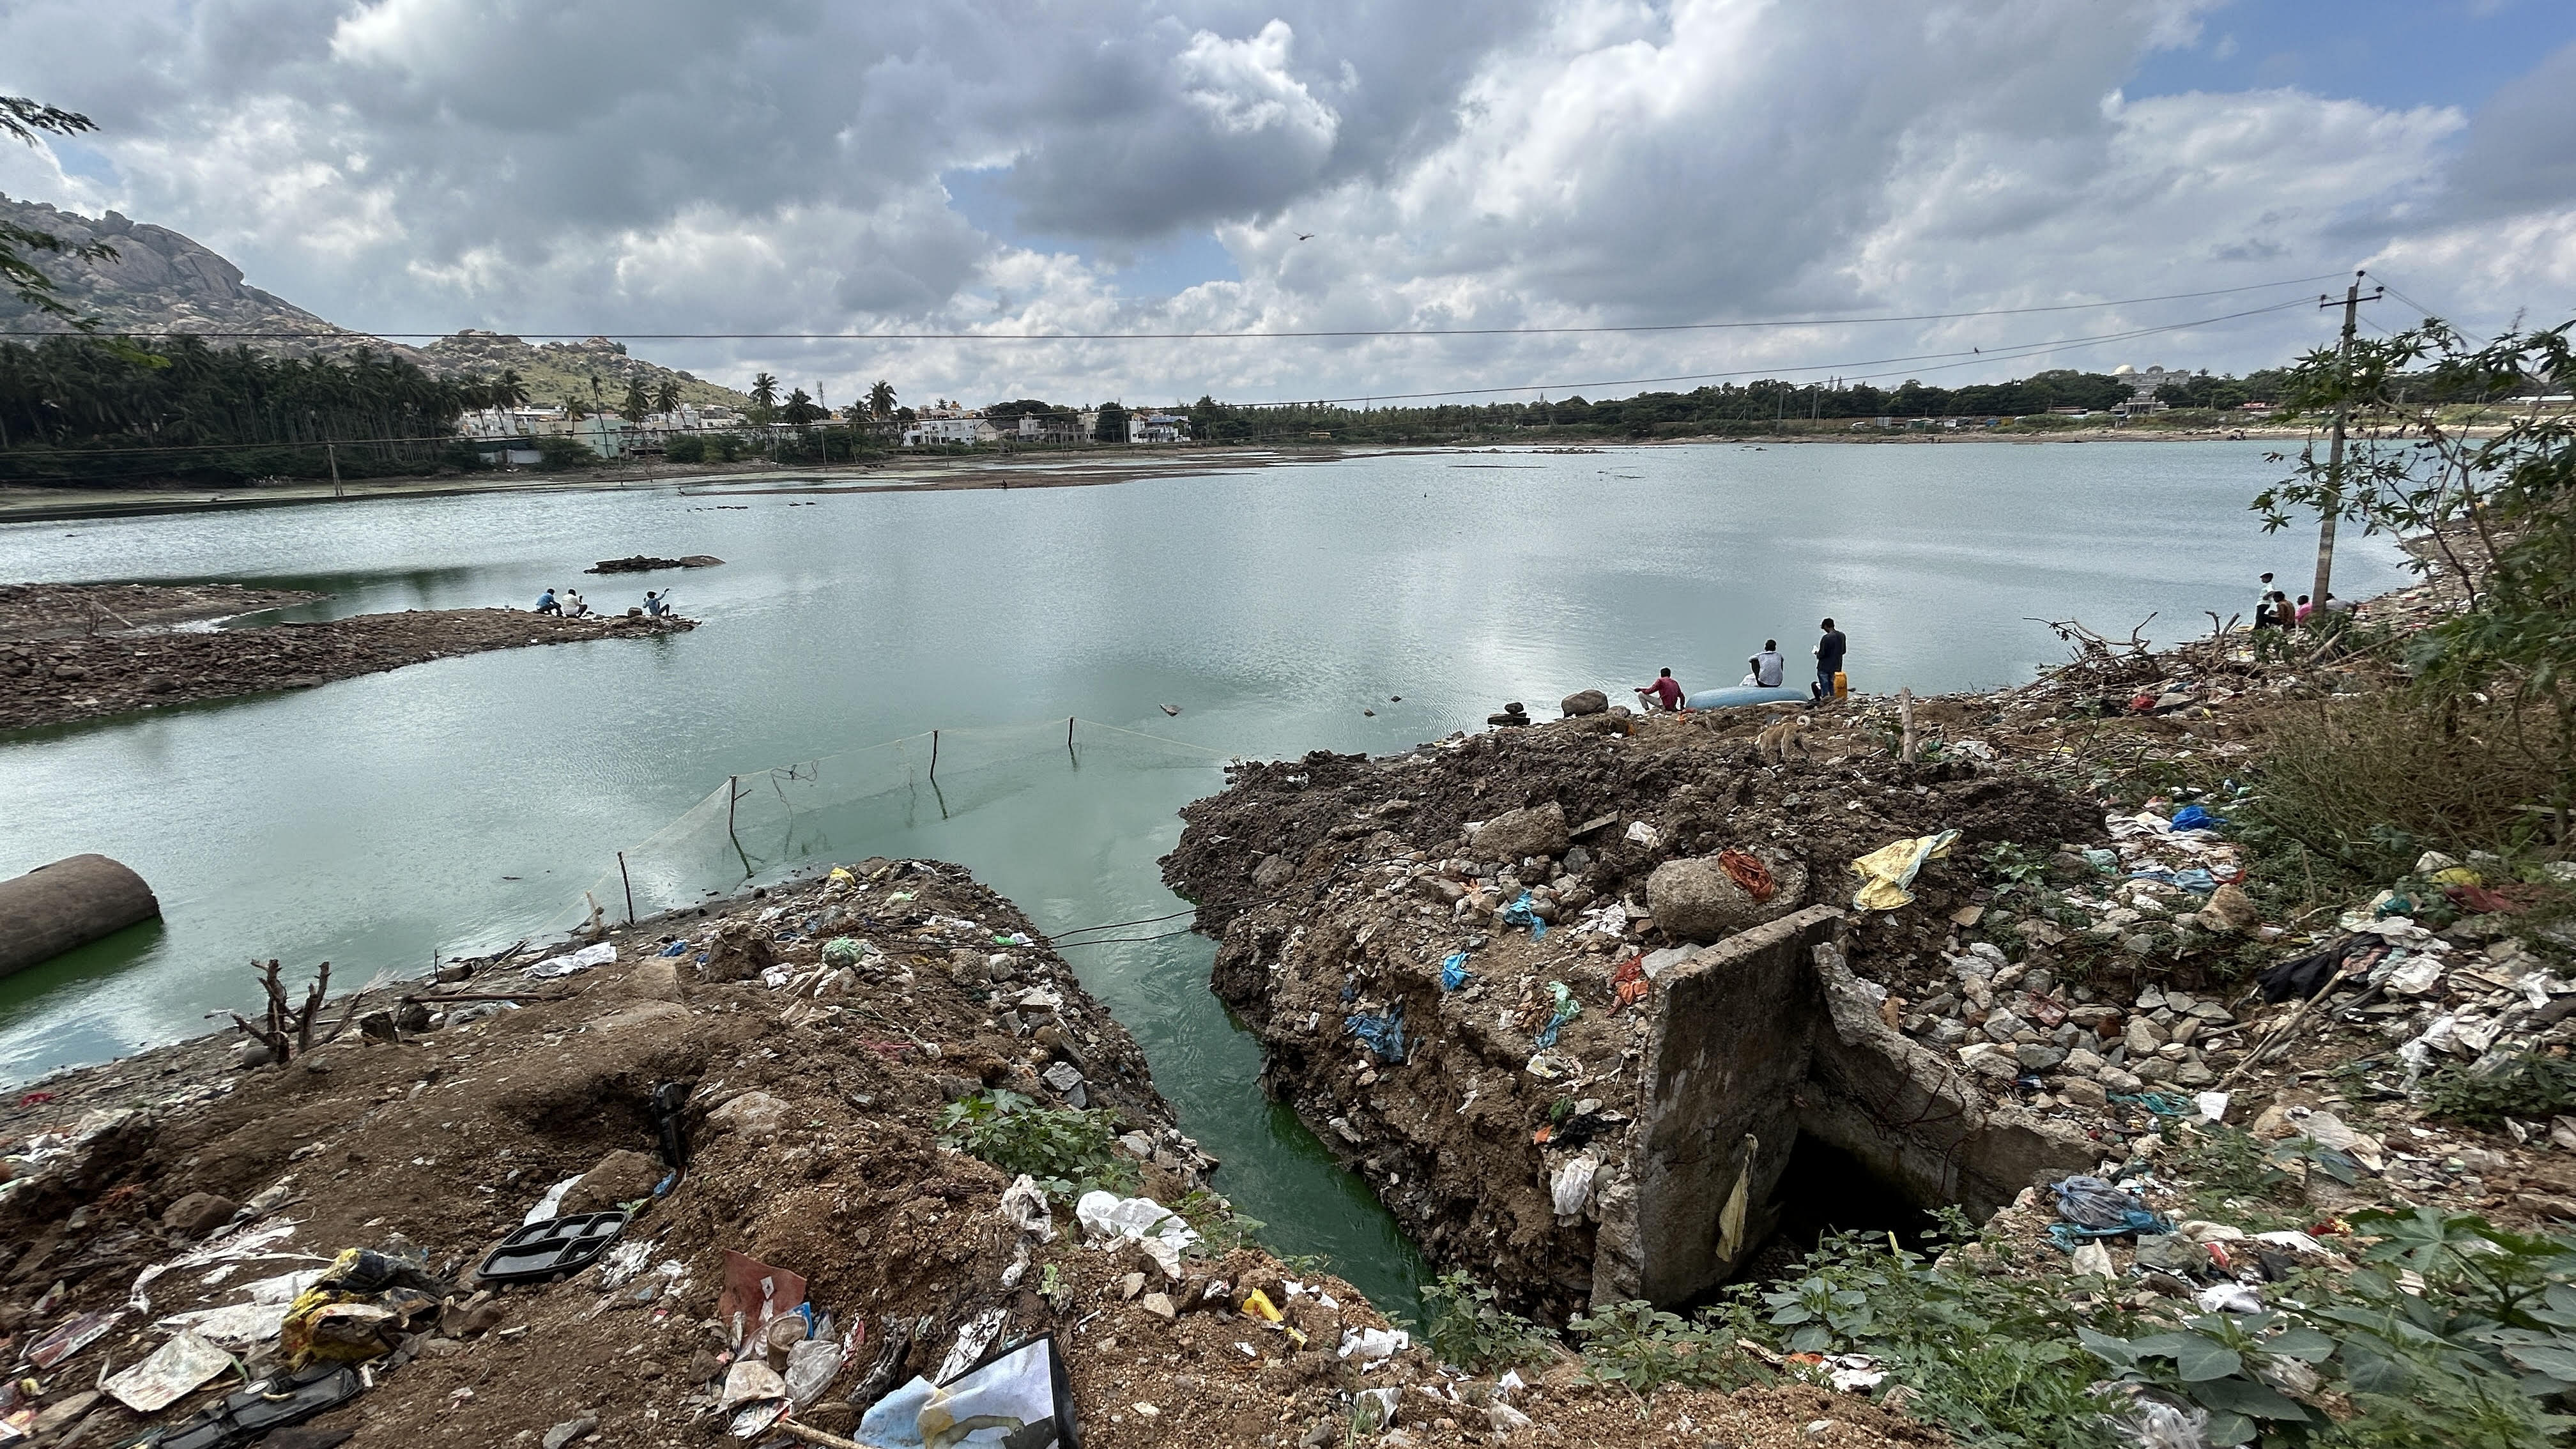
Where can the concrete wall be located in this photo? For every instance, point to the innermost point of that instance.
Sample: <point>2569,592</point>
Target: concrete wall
<point>1718,1105</point>
<point>1767,1035</point>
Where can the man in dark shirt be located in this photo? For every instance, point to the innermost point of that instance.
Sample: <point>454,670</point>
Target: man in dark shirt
<point>1829,659</point>
<point>1665,693</point>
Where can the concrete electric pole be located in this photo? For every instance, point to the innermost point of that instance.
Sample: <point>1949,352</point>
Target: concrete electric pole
<point>2333,501</point>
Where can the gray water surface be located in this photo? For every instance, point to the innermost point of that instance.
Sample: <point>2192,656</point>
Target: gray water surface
<point>464,803</point>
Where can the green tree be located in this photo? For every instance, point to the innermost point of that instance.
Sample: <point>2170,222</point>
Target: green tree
<point>1112,426</point>
<point>506,391</point>
<point>764,398</point>
<point>638,404</point>
<point>881,399</point>
<point>24,119</point>
<point>666,397</point>
<point>800,410</point>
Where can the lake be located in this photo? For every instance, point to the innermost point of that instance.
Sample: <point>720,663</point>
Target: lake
<point>459,805</point>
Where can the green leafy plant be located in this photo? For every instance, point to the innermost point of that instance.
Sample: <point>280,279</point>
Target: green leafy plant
<point>1065,1151</point>
<point>1468,1328</point>
<point>1643,1348</point>
<point>2530,1085</point>
<point>2013,867</point>
<point>1220,1228</point>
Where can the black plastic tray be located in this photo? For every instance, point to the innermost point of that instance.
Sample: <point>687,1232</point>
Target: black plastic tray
<point>552,1248</point>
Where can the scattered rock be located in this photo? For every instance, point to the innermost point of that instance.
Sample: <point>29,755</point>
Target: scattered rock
<point>199,1213</point>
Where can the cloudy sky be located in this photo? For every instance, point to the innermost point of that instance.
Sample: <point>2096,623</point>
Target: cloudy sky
<point>1110,166</point>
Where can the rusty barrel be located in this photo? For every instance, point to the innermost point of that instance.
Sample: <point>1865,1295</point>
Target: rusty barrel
<point>69,903</point>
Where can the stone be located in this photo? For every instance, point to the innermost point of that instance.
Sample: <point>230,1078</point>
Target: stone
<point>1696,900</point>
<point>1583,702</point>
<point>198,1214</point>
<point>1271,872</point>
<point>2120,1083</point>
<point>2144,1037</point>
<point>570,1430</point>
<point>2153,1069</point>
<point>1994,1064</point>
<point>1130,1285</point>
<point>2193,1073</point>
<point>2079,1092</point>
<point>1946,1032</point>
<point>758,1116</point>
<point>656,980</point>
<point>1159,1305</point>
<point>2082,1063</point>
<point>2002,1026</point>
<point>2038,1058</point>
<point>620,1177</point>
<point>1532,830</point>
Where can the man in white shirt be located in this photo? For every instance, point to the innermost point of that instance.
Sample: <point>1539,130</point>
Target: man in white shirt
<point>2263,603</point>
<point>1768,667</point>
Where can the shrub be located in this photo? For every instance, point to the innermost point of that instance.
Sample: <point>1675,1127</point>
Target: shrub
<point>557,453</point>
<point>2370,781</point>
<point>687,448</point>
<point>2530,1085</point>
<point>1065,1151</point>
<point>1467,1328</point>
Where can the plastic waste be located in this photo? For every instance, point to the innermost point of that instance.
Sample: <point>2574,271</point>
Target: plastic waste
<point>172,1372</point>
<point>1107,1217</point>
<point>2093,1208</point>
<point>811,1365</point>
<point>1373,1410</point>
<point>1373,1346</point>
<point>2229,1298</point>
<point>748,1381</point>
<point>1453,971</point>
<point>1024,1384</point>
<point>1025,1204</point>
<point>1384,1034</point>
<point>1567,1009</point>
<point>2192,817</point>
<point>1522,913</point>
<point>842,951</point>
<point>2155,1424</point>
<point>581,960</point>
<point>1887,873</point>
<point>676,948</point>
<point>1571,1188</point>
<point>2094,1261</point>
<point>1257,1304</point>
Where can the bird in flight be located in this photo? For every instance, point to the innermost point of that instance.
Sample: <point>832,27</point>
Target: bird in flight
<point>1305,236</point>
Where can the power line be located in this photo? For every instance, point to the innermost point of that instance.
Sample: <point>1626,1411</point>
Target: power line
<point>1972,358</point>
<point>1242,336</point>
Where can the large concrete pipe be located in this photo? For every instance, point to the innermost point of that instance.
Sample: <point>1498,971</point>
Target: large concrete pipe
<point>69,903</point>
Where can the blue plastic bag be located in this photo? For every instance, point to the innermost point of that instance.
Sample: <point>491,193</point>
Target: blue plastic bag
<point>1567,1009</point>
<point>1520,913</point>
<point>1453,972</point>
<point>2192,817</point>
<point>1384,1034</point>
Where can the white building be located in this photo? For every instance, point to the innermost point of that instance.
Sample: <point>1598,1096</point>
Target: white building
<point>933,430</point>
<point>1052,428</point>
<point>1157,428</point>
<point>2142,386</point>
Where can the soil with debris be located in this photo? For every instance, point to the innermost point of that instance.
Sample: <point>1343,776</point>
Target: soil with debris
<point>816,1034</point>
<point>2095,980</point>
<point>52,671</point>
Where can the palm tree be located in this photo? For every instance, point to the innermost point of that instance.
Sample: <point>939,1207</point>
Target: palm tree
<point>881,399</point>
<point>508,391</point>
<point>638,402</point>
<point>666,398</point>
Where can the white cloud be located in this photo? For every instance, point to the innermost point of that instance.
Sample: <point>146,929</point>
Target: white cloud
<point>661,165</point>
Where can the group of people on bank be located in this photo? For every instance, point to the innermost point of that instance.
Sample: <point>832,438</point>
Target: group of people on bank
<point>1767,668</point>
<point>2274,609</point>
<point>657,604</point>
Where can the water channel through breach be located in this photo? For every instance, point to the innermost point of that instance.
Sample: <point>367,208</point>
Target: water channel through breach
<point>1365,604</point>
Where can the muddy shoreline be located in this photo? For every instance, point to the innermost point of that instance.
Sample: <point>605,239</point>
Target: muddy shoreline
<point>54,670</point>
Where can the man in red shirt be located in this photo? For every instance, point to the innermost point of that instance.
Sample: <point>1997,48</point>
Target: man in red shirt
<point>1665,693</point>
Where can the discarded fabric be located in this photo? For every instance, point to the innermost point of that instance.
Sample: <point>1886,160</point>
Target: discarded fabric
<point>1748,871</point>
<point>1107,1217</point>
<point>676,948</point>
<point>1453,972</point>
<point>2192,817</point>
<point>581,960</point>
<point>1523,913</point>
<point>1384,1034</point>
<point>1887,873</point>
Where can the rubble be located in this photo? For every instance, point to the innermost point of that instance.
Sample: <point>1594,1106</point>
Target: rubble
<point>808,1099</point>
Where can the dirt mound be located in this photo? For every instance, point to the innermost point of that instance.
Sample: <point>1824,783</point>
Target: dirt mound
<point>49,677</point>
<point>814,1093</point>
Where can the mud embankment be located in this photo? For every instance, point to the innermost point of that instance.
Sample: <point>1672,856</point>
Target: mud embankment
<point>818,1041</point>
<point>1567,1113</point>
<point>54,670</point>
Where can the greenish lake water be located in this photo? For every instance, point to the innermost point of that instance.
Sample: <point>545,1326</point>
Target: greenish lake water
<point>461,804</point>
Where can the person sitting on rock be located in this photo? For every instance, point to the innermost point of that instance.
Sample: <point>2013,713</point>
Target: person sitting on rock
<point>574,607</point>
<point>1664,694</point>
<point>546,603</point>
<point>656,605</point>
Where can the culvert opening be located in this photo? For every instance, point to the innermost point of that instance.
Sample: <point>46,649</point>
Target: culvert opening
<point>1826,1190</point>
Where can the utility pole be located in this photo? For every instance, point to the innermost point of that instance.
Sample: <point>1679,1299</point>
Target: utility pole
<point>2332,504</point>
<point>331,451</point>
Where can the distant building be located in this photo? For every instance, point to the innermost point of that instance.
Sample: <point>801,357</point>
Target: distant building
<point>2143,385</point>
<point>1051,428</point>
<point>944,425</point>
<point>1157,428</point>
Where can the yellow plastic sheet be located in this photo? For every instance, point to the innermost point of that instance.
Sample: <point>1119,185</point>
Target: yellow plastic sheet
<point>1887,873</point>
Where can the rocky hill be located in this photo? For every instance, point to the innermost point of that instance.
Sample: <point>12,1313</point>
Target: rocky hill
<point>593,369</point>
<point>160,282</point>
